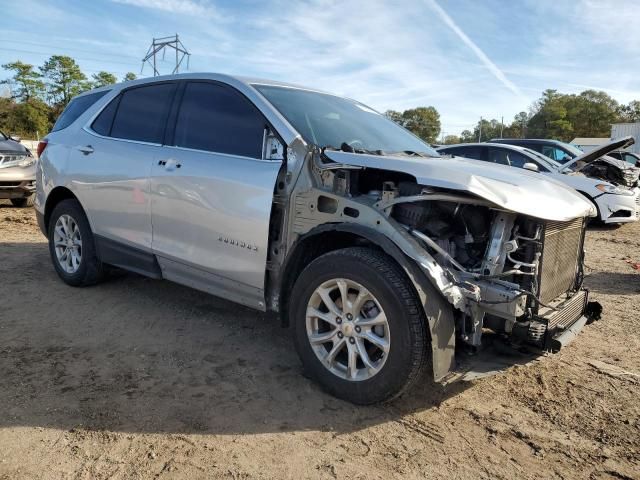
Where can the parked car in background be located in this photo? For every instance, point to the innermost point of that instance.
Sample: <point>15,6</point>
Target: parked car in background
<point>615,204</point>
<point>17,172</point>
<point>629,157</point>
<point>561,152</point>
<point>382,257</point>
<point>600,164</point>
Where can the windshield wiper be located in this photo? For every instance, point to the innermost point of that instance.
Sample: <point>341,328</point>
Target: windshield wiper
<point>345,147</point>
<point>411,153</point>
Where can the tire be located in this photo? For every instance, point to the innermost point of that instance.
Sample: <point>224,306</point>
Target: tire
<point>89,270</point>
<point>24,201</point>
<point>408,353</point>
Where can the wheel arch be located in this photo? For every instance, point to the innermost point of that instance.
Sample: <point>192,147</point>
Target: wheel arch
<point>598,217</point>
<point>56,195</point>
<point>329,237</point>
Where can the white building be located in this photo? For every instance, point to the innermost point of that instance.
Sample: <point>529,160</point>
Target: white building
<point>624,129</point>
<point>588,144</point>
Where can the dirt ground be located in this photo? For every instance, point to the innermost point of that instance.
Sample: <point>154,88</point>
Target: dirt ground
<point>137,378</point>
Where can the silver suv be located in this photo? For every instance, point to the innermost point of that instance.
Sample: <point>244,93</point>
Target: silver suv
<point>382,258</point>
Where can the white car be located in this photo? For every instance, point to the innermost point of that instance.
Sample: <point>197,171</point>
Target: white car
<point>615,203</point>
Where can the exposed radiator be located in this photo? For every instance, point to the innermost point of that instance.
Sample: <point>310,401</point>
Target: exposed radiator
<point>567,312</point>
<point>560,257</point>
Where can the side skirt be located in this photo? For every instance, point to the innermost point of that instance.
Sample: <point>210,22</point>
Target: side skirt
<point>211,283</point>
<point>127,257</point>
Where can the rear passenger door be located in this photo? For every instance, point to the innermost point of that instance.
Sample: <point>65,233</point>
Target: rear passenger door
<point>112,163</point>
<point>212,194</point>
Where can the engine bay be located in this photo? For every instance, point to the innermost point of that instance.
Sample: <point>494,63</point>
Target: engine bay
<point>609,170</point>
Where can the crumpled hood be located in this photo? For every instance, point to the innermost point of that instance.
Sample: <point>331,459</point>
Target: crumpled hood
<point>518,190</point>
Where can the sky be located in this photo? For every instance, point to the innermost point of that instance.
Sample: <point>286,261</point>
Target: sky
<point>490,58</point>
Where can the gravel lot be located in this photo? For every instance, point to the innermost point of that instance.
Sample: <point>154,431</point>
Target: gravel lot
<point>137,378</point>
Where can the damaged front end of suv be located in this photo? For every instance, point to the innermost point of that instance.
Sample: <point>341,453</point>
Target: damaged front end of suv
<point>505,251</point>
<point>503,247</point>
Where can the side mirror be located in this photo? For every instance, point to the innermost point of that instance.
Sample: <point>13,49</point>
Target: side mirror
<point>15,138</point>
<point>531,166</point>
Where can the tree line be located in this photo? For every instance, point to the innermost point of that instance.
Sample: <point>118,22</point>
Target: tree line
<point>554,115</point>
<point>37,95</point>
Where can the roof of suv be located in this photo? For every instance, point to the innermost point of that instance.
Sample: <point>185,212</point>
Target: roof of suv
<point>249,81</point>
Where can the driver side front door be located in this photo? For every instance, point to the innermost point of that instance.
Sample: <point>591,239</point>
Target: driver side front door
<point>211,195</point>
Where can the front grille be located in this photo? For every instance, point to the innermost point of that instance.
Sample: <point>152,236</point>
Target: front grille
<point>638,204</point>
<point>560,256</point>
<point>9,184</point>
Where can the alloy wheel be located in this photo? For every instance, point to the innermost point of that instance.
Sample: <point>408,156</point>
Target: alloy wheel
<point>67,243</point>
<point>348,329</point>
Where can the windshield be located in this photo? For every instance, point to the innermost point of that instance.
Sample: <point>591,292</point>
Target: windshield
<point>330,121</point>
<point>573,150</point>
<point>3,136</point>
<point>544,160</point>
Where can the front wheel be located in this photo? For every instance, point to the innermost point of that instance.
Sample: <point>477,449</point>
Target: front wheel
<point>358,325</point>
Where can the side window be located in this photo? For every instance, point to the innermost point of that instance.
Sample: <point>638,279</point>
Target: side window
<point>103,122</point>
<point>218,119</point>
<point>536,147</point>
<point>141,113</point>
<point>451,151</point>
<point>471,152</point>
<point>516,159</point>
<point>498,155</point>
<point>630,158</point>
<point>548,151</point>
<point>77,107</point>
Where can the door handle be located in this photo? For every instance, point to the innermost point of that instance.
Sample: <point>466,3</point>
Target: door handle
<point>88,149</point>
<point>169,164</point>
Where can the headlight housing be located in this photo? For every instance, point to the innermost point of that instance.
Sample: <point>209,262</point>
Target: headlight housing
<point>23,161</point>
<point>606,188</point>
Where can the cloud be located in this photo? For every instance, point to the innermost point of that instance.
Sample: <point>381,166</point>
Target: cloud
<point>492,67</point>
<point>491,61</point>
<point>186,7</point>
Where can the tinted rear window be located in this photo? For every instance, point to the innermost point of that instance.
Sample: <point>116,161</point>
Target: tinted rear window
<point>141,114</point>
<point>77,107</point>
<point>218,119</point>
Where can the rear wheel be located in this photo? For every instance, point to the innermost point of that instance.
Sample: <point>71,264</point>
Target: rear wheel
<point>24,201</point>
<point>71,245</point>
<point>358,325</point>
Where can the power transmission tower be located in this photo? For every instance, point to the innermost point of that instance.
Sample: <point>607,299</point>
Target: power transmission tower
<point>161,45</point>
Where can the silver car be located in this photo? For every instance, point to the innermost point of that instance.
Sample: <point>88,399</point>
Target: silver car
<point>384,259</point>
<point>17,172</point>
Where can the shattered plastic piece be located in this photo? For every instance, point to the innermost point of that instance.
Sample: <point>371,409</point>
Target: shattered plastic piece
<point>634,265</point>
